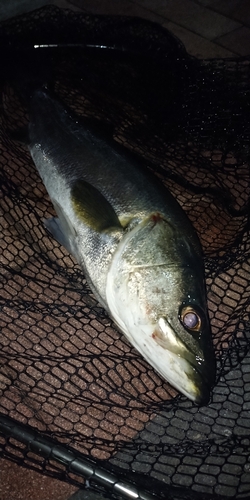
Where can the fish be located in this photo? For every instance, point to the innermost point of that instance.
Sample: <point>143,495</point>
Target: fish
<point>137,248</point>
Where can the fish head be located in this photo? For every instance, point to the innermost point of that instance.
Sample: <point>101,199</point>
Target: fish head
<point>185,339</point>
<point>156,295</point>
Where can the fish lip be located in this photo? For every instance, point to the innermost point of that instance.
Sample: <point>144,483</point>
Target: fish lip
<point>197,387</point>
<point>204,378</point>
<point>200,370</point>
<point>204,395</point>
<point>203,399</point>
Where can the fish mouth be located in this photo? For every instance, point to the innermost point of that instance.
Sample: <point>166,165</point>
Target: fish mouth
<point>190,381</point>
<point>191,374</point>
<point>202,373</point>
<point>202,380</point>
<point>203,397</point>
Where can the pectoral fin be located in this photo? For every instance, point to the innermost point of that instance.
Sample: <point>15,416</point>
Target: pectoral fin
<point>62,229</point>
<point>92,208</point>
<point>54,226</point>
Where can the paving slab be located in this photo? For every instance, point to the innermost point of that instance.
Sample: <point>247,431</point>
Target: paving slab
<point>15,7</point>
<point>235,9</point>
<point>192,16</point>
<point>196,45</point>
<point>237,41</point>
<point>18,483</point>
<point>121,8</point>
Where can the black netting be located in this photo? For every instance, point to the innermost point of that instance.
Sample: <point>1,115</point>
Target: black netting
<point>66,373</point>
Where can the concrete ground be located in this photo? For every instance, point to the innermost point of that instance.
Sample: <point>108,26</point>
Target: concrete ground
<point>208,28</point>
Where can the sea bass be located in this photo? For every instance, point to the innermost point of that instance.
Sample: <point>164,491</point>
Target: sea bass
<point>138,250</point>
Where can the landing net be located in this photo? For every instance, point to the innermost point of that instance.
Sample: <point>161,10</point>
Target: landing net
<point>77,401</point>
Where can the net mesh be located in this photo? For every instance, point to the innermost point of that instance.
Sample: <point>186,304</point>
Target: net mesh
<point>65,371</point>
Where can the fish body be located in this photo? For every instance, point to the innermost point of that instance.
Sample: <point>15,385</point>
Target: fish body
<point>138,249</point>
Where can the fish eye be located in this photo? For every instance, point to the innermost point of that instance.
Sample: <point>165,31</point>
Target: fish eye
<point>190,319</point>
